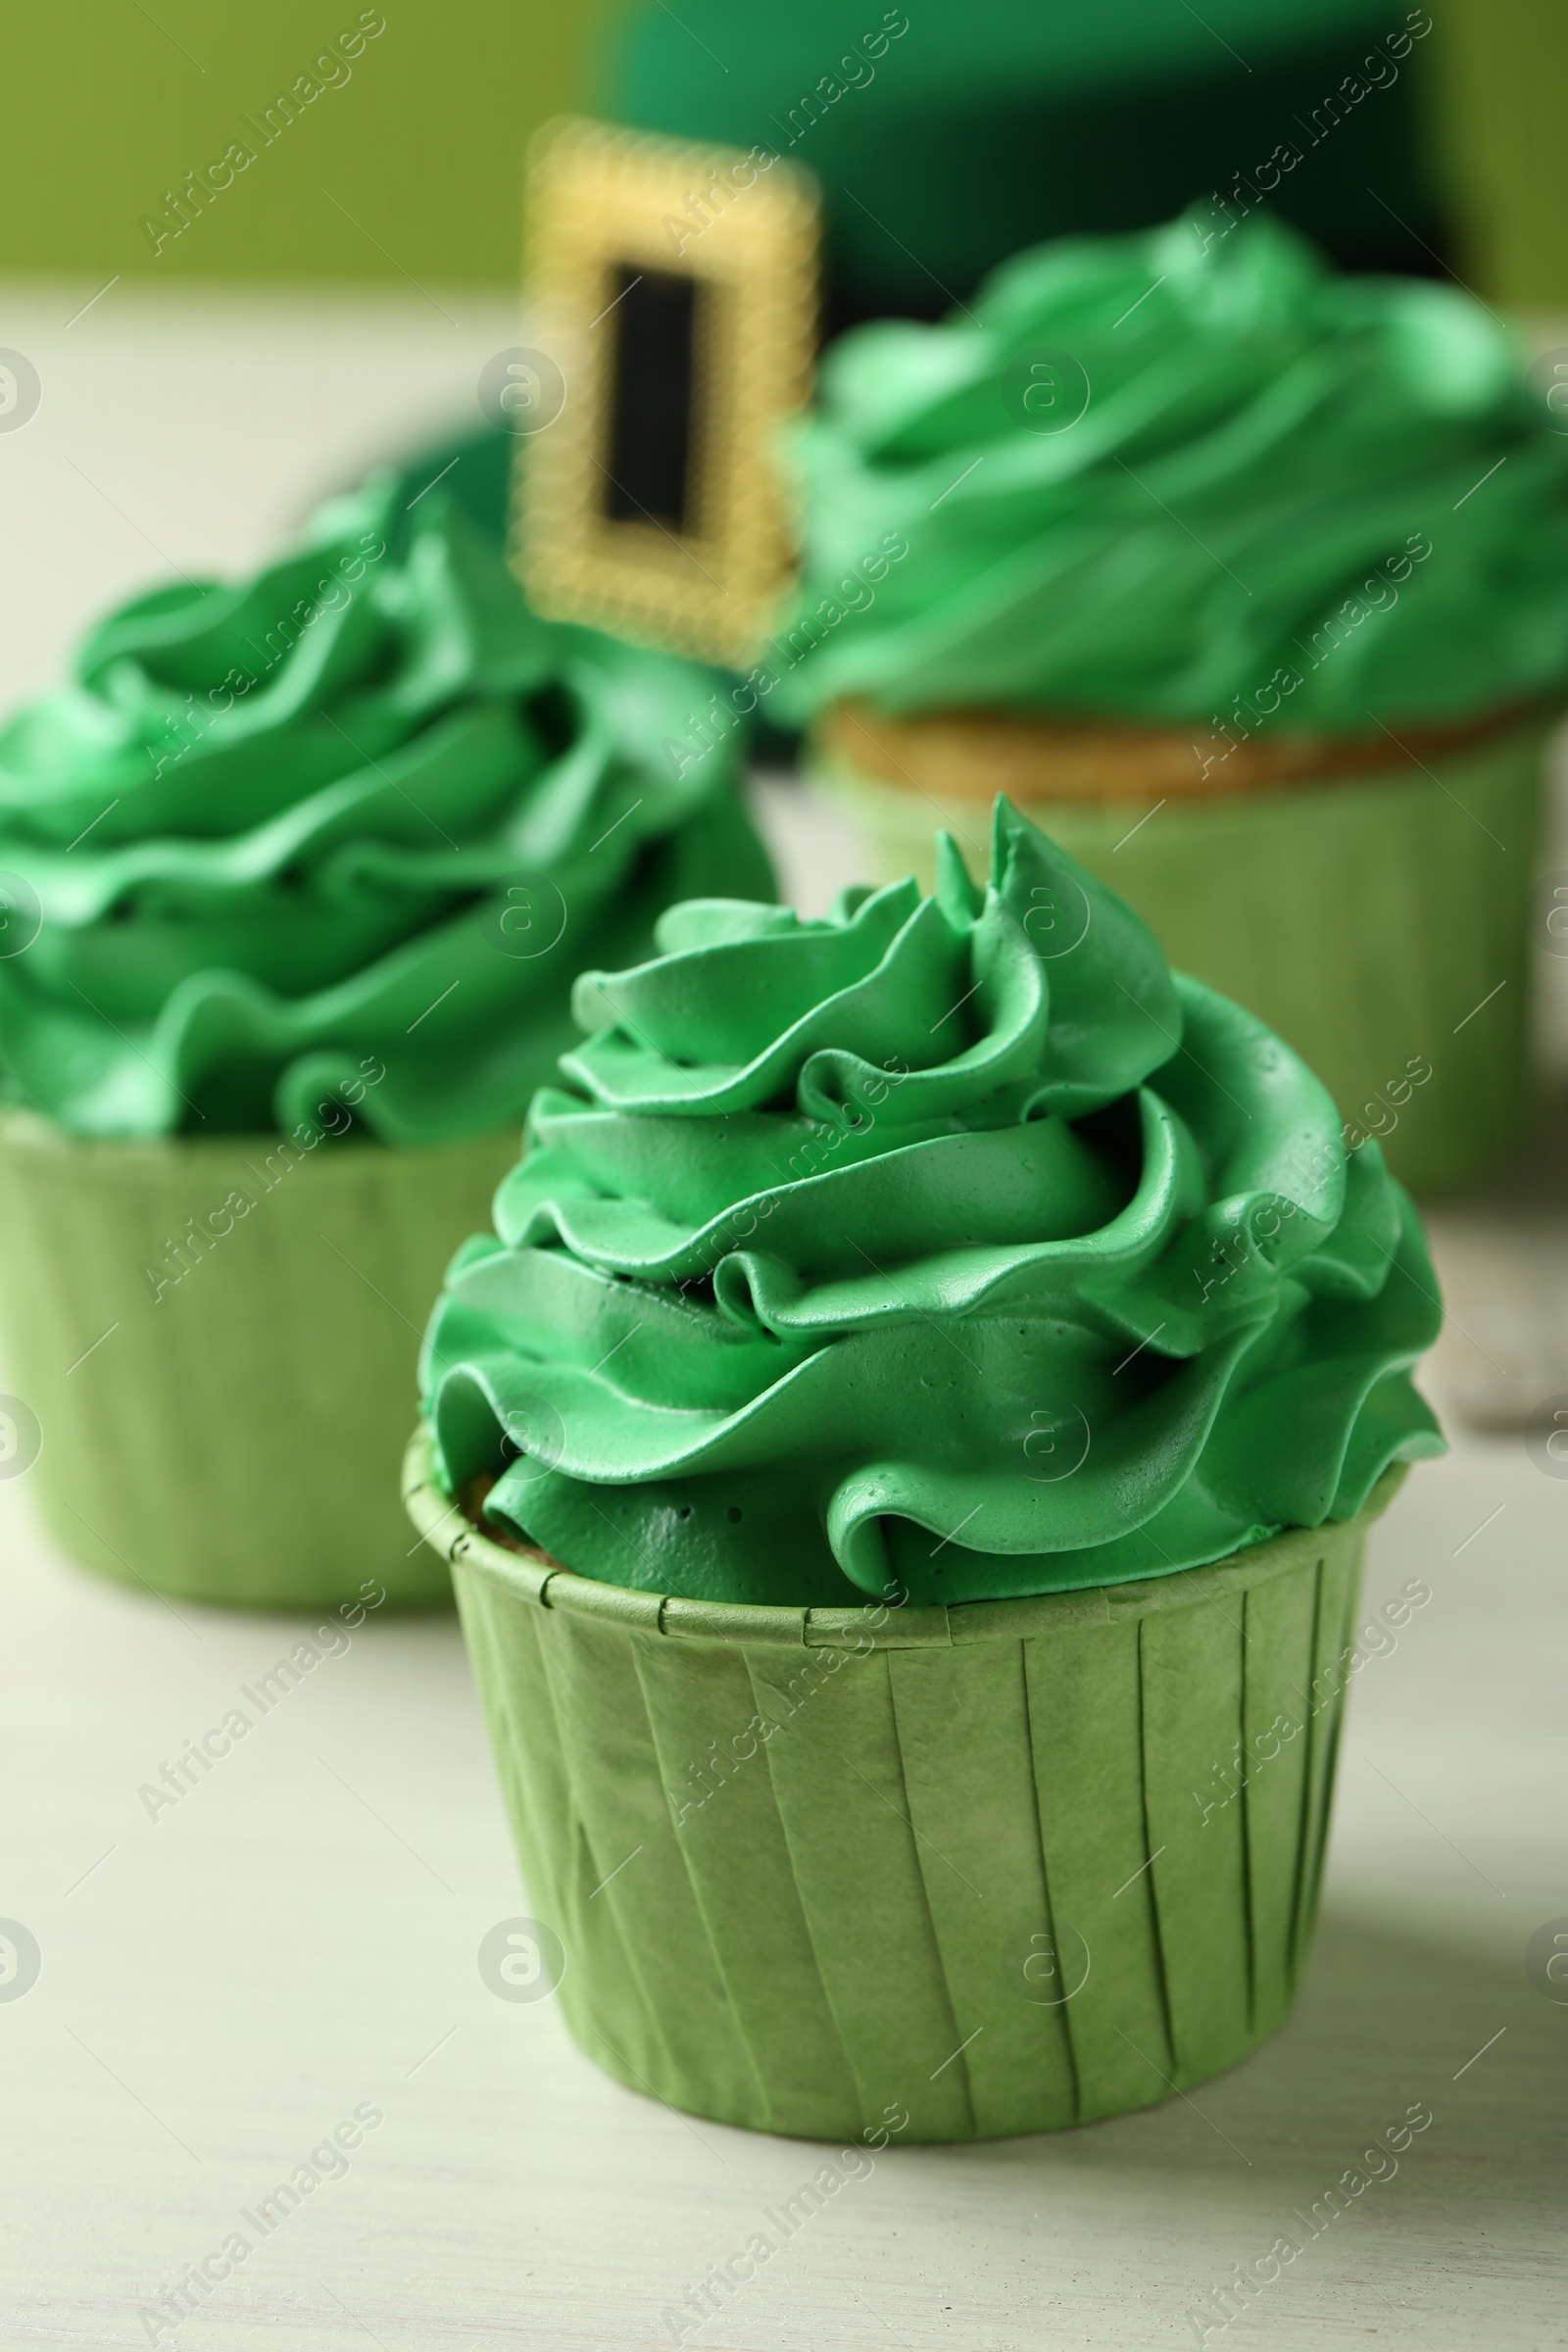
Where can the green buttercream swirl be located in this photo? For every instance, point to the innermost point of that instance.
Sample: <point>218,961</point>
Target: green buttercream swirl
<point>363,811</point>
<point>1266,450</point>
<point>951,1246</point>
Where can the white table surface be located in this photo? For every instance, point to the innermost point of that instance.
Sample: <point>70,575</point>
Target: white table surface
<point>222,1986</point>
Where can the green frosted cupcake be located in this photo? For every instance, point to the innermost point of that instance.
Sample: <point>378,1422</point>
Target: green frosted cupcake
<point>1251,582</point>
<point>297,875</point>
<point>919,1411</point>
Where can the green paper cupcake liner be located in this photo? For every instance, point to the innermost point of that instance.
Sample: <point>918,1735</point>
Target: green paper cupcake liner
<point>229,1432</point>
<point>1379,926</point>
<point>1000,1868</point>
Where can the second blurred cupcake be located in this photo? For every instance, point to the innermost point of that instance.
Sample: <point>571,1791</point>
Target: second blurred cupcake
<point>1252,581</point>
<point>297,876</point>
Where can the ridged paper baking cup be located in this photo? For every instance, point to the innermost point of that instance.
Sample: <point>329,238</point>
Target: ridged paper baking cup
<point>1379,926</point>
<point>223,1391</point>
<point>1003,1868</point>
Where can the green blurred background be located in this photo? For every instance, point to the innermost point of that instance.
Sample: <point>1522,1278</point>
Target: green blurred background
<point>410,167</point>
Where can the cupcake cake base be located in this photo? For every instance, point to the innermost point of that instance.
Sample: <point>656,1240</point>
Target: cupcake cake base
<point>995,1868</point>
<point>1368,901</point>
<point>219,1340</point>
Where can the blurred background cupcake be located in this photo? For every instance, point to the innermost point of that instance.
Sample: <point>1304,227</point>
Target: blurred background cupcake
<point>298,873</point>
<point>1252,579</point>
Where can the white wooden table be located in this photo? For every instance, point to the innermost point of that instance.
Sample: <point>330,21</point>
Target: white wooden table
<point>224,1985</point>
